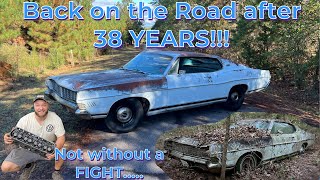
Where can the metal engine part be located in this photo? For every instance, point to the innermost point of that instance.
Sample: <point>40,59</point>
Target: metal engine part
<point>32,142</point>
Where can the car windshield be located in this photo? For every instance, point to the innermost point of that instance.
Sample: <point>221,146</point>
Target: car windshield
<point>149,63</point>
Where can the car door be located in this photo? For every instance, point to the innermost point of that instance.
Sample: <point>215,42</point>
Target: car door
<point>284,139</point>
<point>190,81</point>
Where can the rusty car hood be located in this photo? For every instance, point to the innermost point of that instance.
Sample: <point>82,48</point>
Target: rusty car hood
<point>115,79</point>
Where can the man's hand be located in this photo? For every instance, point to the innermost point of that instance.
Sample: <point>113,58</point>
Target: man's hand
<point>7,139</point>
<point>49,156</point>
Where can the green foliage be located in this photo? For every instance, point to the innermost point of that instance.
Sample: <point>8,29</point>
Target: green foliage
<point>136,26</point>
<point>194,25</point>
<point>56,58</point>
<point>287,48</point>
<point>10,20</point>
<point>26,64</point>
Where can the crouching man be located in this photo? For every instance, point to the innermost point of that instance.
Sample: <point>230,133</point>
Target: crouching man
<point>43,123</point>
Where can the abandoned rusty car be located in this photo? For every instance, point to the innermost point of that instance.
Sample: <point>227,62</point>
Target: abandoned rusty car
<point>251,143</point>
<point>154,82</point>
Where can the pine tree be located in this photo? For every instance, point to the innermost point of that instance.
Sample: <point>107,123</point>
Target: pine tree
<point>10,20</point>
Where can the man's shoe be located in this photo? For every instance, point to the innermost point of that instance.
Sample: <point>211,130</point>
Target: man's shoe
<point>56,175</point>
<point>26,172</point>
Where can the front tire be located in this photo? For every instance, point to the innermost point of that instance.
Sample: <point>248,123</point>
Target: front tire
<point>124,116</point>
<point>235,98</point>
<point>302,149</point>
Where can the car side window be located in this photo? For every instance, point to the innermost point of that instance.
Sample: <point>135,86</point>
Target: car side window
<point>262,125</point>
<point>174,68</point>
<point>199,64</point>
<point>282,128</point>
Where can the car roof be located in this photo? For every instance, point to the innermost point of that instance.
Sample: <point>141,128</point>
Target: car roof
<point>182,53</point>
<point>265,120</point>
<point>253,120</point>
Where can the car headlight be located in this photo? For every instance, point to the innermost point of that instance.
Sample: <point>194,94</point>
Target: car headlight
<point>81,106</point>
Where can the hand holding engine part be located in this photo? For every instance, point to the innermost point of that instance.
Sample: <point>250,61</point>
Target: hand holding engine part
<point>31,142</point>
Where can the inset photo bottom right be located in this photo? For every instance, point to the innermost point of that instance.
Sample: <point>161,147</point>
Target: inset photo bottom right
<point>250,145</point>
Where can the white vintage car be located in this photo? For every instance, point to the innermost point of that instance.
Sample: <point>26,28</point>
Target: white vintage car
<point>281,139</point>
<point>154,82</point>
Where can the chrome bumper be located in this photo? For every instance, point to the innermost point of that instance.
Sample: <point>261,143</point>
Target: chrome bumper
<point>214,167</point>
<point>206,162</point>
<point>83,114</point>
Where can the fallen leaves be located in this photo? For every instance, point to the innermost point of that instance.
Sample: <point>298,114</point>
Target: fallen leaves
<point>236,133</point>
<point>297,167</point>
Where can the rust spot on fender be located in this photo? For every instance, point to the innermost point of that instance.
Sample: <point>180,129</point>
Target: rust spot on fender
<point>137,85</point>
<point>78,85</point>
<point>144,84</point>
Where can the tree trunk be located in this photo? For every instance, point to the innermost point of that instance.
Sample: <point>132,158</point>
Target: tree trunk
<point>225,148</point>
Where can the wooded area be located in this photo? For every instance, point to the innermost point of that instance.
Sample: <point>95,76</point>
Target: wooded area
<point>34,46</point>
<point>290,49</point>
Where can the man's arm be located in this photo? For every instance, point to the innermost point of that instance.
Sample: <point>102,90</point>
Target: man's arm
<point>59,144</point>
<point>60,141</point>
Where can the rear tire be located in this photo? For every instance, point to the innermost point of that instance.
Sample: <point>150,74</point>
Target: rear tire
<point>124,116</point>
<point>246,163</point>
<point>235,98</point>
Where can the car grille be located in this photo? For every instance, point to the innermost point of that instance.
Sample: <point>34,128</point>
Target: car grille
<point>64,93</point>
<point>190,150</point>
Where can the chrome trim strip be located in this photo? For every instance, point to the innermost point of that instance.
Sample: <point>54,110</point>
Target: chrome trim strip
<point>154,112</point>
